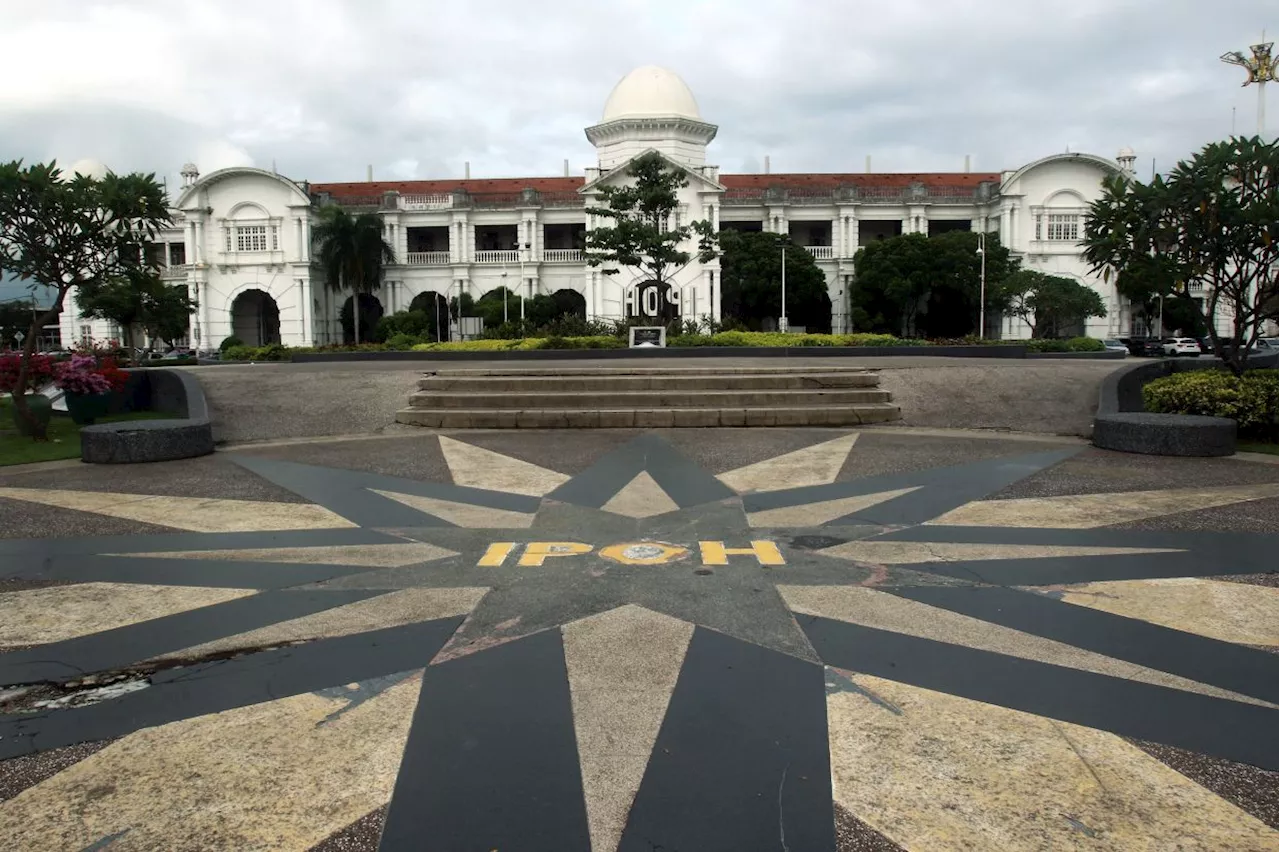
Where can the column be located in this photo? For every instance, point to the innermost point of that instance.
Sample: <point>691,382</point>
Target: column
<point>297,236</point>
<point>715,217</point>
<point>206,339</point>
<point>854,236</point>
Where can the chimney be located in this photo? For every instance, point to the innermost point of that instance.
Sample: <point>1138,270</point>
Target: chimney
<point>466,170</point>
<point>868,164</point>
<point>966,163</point>
<point>566,167</point>
<point>766,164</point>
<point>369,173</point>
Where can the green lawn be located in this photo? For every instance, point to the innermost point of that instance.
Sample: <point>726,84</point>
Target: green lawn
<point>64,436</point>
<point>1268,447</point>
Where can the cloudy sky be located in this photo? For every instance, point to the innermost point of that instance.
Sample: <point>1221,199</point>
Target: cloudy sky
<point>324,87</point>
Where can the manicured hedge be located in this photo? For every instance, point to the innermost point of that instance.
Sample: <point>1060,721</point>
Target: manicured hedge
<point>406,342</point>
<point>1250,400</point>
<point>1074,344</point>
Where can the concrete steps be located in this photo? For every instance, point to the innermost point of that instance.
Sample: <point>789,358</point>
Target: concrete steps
<point>647,397</point>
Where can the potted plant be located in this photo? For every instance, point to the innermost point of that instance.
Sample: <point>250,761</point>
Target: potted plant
<point>39,373</point>
<point>87,386</point>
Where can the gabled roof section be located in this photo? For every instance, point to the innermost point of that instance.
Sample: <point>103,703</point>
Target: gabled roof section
<point>363,189</point>
<point>1111,167</point>
<point>237,171</point>
<point>694,175</point>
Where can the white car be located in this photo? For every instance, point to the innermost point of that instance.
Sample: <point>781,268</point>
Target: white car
<point>1181,346</point>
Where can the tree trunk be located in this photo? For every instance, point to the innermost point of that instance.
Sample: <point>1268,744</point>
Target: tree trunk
<point>19,393</point>
<point>355,313</point>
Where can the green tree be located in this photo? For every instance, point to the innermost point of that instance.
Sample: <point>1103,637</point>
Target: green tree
<point>168,314</point>
<point>353,254</point>
<point>643,236</point>
<point>140,300</point>
<point>79,232</point>
<point>919,286</point>
<point>1210,228</point>
<point>1050,304</point>
<point>751,276</point>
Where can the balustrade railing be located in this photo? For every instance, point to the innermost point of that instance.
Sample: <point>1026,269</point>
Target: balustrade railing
<point>562,255</point>
<point>821,252</point>
<point>426,202</point>
<point>503,256</point>
<point>427,258</point>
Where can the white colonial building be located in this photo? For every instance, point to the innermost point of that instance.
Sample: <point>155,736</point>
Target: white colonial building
<point>242,238</point>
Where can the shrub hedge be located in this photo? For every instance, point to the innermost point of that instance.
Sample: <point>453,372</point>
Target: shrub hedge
<point>1250,400</point>
<point>404,341</point>
<point>1074,344</point>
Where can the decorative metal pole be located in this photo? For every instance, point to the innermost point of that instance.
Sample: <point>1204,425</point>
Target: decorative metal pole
<point>1261,69</point>
<point>982,285</point>
<point>784,324</point>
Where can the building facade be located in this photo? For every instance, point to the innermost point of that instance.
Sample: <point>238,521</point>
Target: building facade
<point>242,237</point>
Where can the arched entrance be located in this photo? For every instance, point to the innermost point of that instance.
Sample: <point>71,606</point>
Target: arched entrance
<point>255,318</point>
<point>436,307</point>
<point>570,302</point>
<point>370,313</point>
<point>654,301</point>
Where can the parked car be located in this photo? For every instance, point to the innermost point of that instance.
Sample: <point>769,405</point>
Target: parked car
<point>1176,346</point>
<point>1268,345</point>
<point>1152,347</point>
<point>1114,345</point>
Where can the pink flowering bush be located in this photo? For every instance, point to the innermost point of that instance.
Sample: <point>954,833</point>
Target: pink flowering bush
<point>81,374</point>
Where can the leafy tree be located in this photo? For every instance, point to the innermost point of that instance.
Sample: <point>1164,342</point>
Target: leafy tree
<point>750,281</point>
<point>353,254</point>
<point>642,236</point>
<point>80,233</point>
<point>1050,304</point>
<point>1210,228</point>
<point>140,299</point>
<point>168,314</point>
<point>914,285</point>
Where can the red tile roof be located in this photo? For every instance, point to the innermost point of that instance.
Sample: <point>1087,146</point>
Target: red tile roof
<point>442,187</point>
<point>831,181</point>
<point>572,184</point>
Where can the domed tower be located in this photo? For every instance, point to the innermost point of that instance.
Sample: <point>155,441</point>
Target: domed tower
<point>651,108</point>
<point>1126,159</point>
<point>95,169</point>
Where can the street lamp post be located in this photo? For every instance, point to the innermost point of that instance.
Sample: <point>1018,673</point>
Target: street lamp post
<point>1261,69</point>
<point>982,285</point>
<point>782,321</point>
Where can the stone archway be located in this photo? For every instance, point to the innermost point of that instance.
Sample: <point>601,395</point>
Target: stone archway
<point>570,302</point>
<point>436,307</point>
<point>255,318</point>
<point>370,312</point>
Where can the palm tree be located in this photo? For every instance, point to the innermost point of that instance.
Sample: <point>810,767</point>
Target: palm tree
<point>352,253</point>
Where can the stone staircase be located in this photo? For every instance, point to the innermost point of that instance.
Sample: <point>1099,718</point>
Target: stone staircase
<point>647,397</point>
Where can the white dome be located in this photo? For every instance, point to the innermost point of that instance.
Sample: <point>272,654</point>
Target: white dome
<point>651,92</point>
<point>89,168</point>
<point>1126,151</point>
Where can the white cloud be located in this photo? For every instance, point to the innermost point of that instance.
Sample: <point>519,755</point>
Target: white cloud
<point>324,87</point>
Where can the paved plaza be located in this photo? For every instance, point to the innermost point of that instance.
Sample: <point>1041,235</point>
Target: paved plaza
<point>679,640</point>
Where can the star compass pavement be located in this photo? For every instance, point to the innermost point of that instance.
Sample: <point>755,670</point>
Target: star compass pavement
<point>644,654</point>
